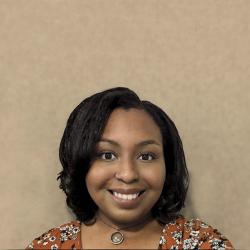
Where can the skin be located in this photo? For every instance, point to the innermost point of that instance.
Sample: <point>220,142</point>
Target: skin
<point>129,159</point>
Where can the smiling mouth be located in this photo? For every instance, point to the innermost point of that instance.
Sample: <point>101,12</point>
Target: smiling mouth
<point>126,196</point>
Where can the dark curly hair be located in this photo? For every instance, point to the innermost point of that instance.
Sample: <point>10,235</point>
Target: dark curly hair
<point>83,131</point>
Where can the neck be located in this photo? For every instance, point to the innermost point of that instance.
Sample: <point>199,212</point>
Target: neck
<point>123,225</point>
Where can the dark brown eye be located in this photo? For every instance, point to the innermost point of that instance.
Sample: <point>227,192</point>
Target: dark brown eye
<point>107,156</point>
<point>146,157</point>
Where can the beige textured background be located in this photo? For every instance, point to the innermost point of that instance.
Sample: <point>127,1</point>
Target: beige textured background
<point>189,57</point>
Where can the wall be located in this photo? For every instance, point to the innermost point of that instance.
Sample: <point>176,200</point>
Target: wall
<point>189,57</point>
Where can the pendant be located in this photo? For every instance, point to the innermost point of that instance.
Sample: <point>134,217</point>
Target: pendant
<point>117,238</point>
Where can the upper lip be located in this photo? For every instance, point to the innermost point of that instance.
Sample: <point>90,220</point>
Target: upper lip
<point>126,191</point>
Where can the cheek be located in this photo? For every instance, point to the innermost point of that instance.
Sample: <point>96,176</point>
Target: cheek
<point>97,178</point>
<point>155,177</point>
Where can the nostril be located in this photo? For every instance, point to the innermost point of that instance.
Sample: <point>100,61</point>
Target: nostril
<point>127,177</point>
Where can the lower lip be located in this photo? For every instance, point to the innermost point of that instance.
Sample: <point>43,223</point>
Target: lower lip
<point>127,203</point>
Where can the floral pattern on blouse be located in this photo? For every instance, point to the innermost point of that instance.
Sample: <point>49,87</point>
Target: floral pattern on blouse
<point>193,234</point>
<point>67,236</point>
<point>176,235</point>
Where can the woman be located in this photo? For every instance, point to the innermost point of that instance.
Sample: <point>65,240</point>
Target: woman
<point>125,178</point>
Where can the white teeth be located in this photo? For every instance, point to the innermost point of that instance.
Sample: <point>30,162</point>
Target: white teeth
<point>126,196</point>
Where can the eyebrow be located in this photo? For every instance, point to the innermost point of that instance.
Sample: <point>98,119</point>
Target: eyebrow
<point>140,144</point>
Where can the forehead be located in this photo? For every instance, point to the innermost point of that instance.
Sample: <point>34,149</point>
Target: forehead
<point>132,124</point>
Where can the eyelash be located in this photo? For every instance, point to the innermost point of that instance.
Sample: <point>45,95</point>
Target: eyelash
<point>149,154</point>
<point>100,154</point>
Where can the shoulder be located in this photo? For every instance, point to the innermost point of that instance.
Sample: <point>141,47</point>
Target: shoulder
<point>192,234</point>
<point>64,236</point>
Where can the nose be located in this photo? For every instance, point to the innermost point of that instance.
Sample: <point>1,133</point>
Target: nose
<point>127,172</point>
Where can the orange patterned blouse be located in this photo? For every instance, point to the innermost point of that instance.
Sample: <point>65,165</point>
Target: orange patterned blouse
<point>179,234</point>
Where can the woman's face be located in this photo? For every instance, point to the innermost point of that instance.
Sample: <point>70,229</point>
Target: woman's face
<point>127,175</point>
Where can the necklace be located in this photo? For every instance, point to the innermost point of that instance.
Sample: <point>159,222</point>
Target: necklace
<point>117,237</point>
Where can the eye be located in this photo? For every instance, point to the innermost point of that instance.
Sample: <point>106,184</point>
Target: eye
<point>147,157</point>
<point>108,156</point>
